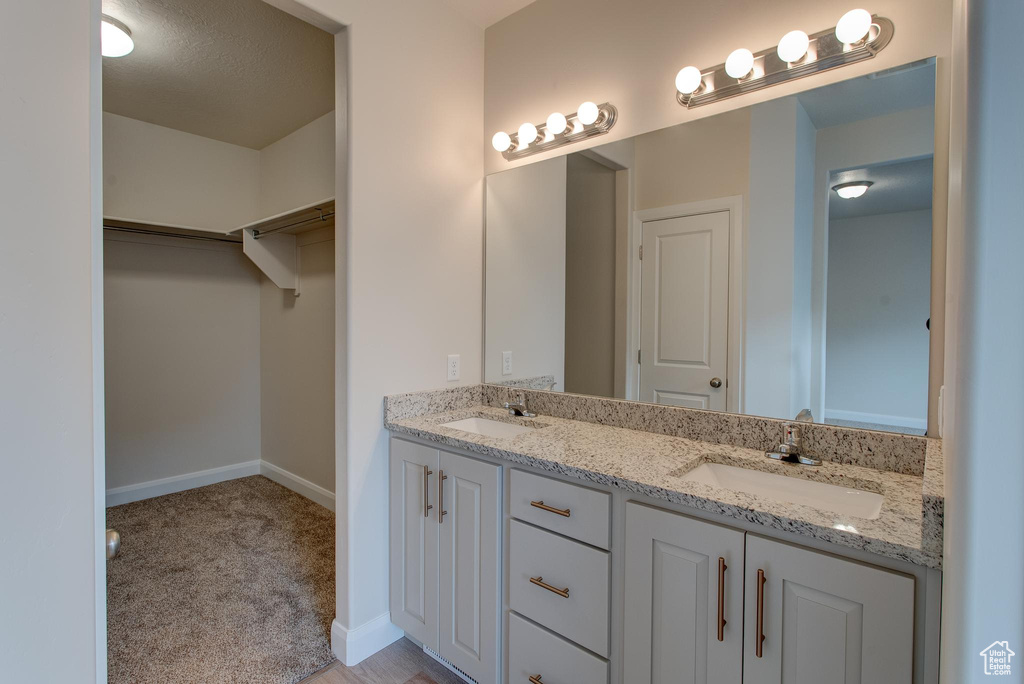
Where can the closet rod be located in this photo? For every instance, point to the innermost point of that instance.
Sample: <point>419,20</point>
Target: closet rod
<point>257,234</point>
<point>160,233</point>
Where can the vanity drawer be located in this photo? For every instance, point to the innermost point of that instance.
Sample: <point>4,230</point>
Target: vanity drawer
<point>589,511</point>
<point>535,652</point>
<point>561,564</point>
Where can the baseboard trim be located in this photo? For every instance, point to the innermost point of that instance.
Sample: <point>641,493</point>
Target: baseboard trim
<point>877,419</point>
<point>352,646</point>
<point>179,483</point>
<point>311,491</point>
<point>202,478</point>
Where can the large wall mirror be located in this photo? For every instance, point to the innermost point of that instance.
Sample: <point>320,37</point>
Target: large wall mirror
<point>731,263</point>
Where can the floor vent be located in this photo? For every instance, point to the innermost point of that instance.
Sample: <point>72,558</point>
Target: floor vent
<point>436,656</point>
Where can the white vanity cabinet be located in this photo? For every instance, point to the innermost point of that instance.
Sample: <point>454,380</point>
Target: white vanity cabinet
<point>446,555</point>
<point>824,620</point>
<point>684,599</point>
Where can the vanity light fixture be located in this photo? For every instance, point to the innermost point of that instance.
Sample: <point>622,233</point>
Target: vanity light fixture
<point>559,129</point>
<point>859,35</point>
<point>853,189</point>
<point>115,37</point>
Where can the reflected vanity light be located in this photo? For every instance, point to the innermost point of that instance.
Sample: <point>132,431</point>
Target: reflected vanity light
<point>853,189</point>
<point>560,129</point>
<point>859,35</point>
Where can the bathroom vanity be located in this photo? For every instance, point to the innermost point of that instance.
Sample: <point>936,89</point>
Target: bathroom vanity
<point>594,543</point>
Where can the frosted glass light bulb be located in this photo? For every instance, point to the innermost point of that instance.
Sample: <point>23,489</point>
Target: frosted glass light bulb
<point>115,38</point>
<point>739,63</point>
<point>587,113</point>
<point>853,26</point>
<point>556,123</point>
<point>527,134</point>
<point>501,141</point>
<point>688,80</point>
<point>793,46</point>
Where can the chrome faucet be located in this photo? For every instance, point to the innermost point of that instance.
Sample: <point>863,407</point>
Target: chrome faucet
<point>519,408</point>
<point>789,450</point>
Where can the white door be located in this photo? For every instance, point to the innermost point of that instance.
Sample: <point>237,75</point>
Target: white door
<point>470,570</point>
<point>824,620</point>
<point>414,551</point>
<point>684,311</point>
<point>684,578</point>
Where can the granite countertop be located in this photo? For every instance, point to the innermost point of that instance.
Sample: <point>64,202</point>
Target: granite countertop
<point>909,527</point>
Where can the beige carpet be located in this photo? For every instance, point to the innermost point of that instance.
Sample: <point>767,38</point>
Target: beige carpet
<point>228,583</point>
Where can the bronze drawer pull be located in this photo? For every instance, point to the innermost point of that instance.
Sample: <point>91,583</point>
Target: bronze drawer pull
<point>440,497</point>
<point>535,679</point>
<point>539,581</point>
<point>760,613</point>
<point>722,567</point>
<point>427,472</point>
<point>557,511</point>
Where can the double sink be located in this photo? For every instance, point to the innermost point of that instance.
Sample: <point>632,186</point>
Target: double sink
<point>846,501</point>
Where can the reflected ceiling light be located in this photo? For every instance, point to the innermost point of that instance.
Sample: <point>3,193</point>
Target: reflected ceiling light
<point>587,113</point>
<point>793,46</point>
<point>688,79</point>
<point>739,63</point>
<point>501,141</point>
<point>852,190</point>
<point>115,37</point>
<point>527,134</point>
<point>556,123</point>
<point>853,26</point>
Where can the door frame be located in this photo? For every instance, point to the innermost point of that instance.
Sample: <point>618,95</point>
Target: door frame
<point>737,243</point>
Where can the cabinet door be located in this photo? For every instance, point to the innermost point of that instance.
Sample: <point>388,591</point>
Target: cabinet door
<point>673,583</point>
<point>825,620</point>
<point>470,543</point>
<point>414,561</point>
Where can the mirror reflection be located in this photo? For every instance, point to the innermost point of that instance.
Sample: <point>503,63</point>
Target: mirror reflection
<point>772,260</point>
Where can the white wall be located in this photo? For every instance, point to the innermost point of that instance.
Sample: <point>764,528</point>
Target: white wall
<point>182,330</point>
<point>153,174</point>
<point>52,572</point>
<point>628,53</point>
<point>879,287</point>
<point>297,366</point>
<point>298,169</point>
<point>525,257</point>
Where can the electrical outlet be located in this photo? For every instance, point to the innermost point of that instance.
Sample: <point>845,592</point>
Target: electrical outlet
<point>506,363</point>
<point>453,366</point>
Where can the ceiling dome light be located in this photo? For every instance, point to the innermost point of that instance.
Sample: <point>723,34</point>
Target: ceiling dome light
<point>501,141</point>
<point>852,190</point>
<point>556,123</point>
<point>793,46</point>
<point>527,134</point>
<point>115,38</point>
<point>688,80</point>
<point>739,63</point>
<point>853,26</point>
<point>587,113</point>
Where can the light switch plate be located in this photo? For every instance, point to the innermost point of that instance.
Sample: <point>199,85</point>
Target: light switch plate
<point>506,363</point>
<point>453,366</point>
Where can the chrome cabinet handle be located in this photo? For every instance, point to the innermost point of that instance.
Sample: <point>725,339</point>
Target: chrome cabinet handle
<point>722,567</point>
<point>760,613</point>
<point>440,497</point>
<point>557,511</point>
<point>539,581</point>
<point>427,472</point>
<point>716,382</point>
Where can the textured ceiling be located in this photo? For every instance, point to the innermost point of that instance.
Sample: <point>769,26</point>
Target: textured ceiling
<point>901,186</point>
<point>239,71</point>
<point>885,92</point>
<point>484,13</point>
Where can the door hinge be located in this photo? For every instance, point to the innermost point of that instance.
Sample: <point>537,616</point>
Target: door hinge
<point>641,252</point>
<point>638,356</point>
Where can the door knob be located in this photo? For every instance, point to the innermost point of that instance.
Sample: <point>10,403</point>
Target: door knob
<point>716,382</point>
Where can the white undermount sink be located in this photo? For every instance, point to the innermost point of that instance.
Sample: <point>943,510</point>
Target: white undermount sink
<point>488,427</point>
<point>826,497</point>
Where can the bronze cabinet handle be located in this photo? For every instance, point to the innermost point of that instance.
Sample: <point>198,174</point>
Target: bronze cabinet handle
<point>535,679</point>
<point>427,472</point>
<point>557,511</point>
<point>722,567</point>
<point>440,496</point>
<point>760,613</point>
<point>539,581</point>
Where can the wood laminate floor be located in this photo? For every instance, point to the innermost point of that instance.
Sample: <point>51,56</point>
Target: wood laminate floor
<point>403,662</point>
